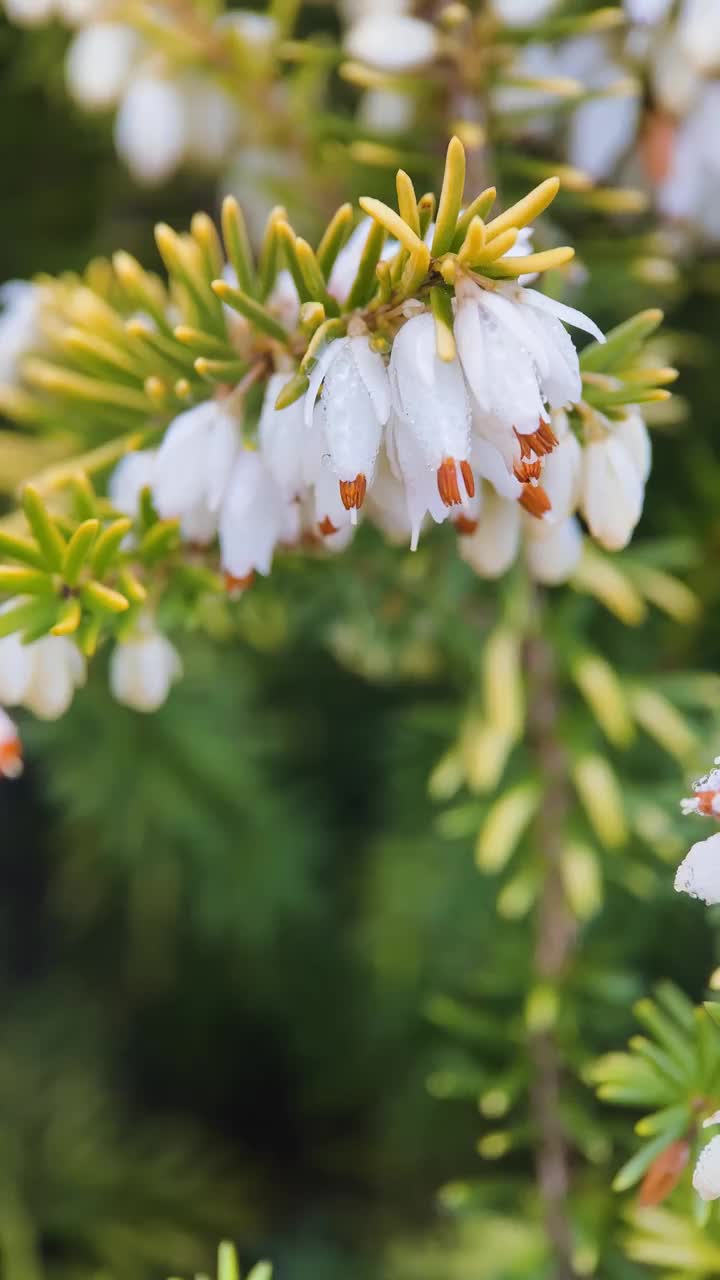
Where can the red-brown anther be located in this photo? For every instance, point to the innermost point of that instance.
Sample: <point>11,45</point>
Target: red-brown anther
<point>537,442</point>
<point>469,478</point>
<point>10,758</point>
<point>353,492</point>
<point>527,471</point>
<point>657,144</point>
<point>465,526</point>
<point>664,1173</point>
<point>705,803</point>
<point>239,584</point>
<point>326,527</point>
<point>534,499</point>
<point>447,483</point>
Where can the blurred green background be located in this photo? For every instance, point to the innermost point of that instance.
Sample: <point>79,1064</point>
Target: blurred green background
<point>231,933</point>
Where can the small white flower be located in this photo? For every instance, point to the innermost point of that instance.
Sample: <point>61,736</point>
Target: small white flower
<point>706,1174</point>
<point>429,442</point>
<point>647,11</point>
<point>552,554</point>
<point>42,675</point>
<point>699,33</point>
<point>282,438</point>
<point>354,407</point>
<point>98,63</point>
<point>29,13</point>
<point>253,519</point>
<point>133,473</point>
<point>516,355</point>
<point>11,763</point>
<point>612,492</point>
<point>210,122</point>
<point>150,129</point>
<point>699,872</point>
<point>706,794</point>
<point>143,668</point>
<point>386,110</point>
<point>634,435</point>
<point>192,468</point>
<point>387,504</point>
<point>494,545</point>
<point>19,325</point>
<point>562,471</point>
<point>392,42</point>
<point>523,13</point>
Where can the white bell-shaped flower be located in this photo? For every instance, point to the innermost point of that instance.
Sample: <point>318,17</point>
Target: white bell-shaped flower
<point>634,435</point>
<point>647,11</point>
<point>562,472</point>
<point>699,33</point>
<point>11,762</point>
<point>392,42</point>
<point>523,13</point>
<point>150,129</point>
<point>133,473</point>
<point>192,468</point>
<point>281,433</point>
<point>354,407</point>
<point>19,325</point>
<point>612,492</point>
<point>253,519</point>
<point>143,668</point>
<point>99,62</point>
<point>210,122</point>
<point>429,442</point>
<point>706,1174</point>
<point>552,553</point>
<point>387,504</point>
<point>699,872</point>
<point>41,676</point>
<point>493,547</point>
<point>29,13</point>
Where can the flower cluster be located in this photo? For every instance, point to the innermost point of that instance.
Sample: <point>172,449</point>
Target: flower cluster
<point>406,372</point>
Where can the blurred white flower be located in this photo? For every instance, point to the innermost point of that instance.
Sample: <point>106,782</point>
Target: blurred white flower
<point>698,33</point>
<point>150,128</point>
<point>691,187</point>
<point>391,41</point>
<point>612,491</point>
<point>552,551</point>
<point>648,11</point>
<point>11,762</point>
<point>493,546</point>
<point>523,13</point>
<point>254,518</point>
<point>99,62</point>
<point>386,111</point>
<point>706,1174</point>
<point>143,668</point>
<point>699,872</point>
<point>192,468</point>
<point>282,439</point>
<point>19,325</point>
<point>133,473</point>
<point>42,675</point>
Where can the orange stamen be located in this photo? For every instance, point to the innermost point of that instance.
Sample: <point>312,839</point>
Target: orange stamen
<point>537,442</point>
<point>469,478</point>
<point>534,499</point>
<point>353,492</point>
<point>465,526</point>
<point>11,758</point>
<point>239,584</point>
<point>705,803</point>
<point>447,483</point>
<point>326,527</point>
<point>527,471</point>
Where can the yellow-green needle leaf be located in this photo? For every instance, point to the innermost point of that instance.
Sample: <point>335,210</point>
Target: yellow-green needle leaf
<point>78,549</point>
<point>407,200</point>
<point>237,243</point>
<point>103,599</point>
<point>252,310</point>
<point>511,268</point>
<point>17,548</point>
<point>441,305</point>
<point>478,208</point>
<point>392,222</point>
<point>47,535</point>
<point>294,388</point>
<point>334,238</point>
<point>366,280</point>
<point>69,620</point>
<point>108,543</point>
<point>451,198</point>
<point>527,209</point>
<point>16,579</point>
